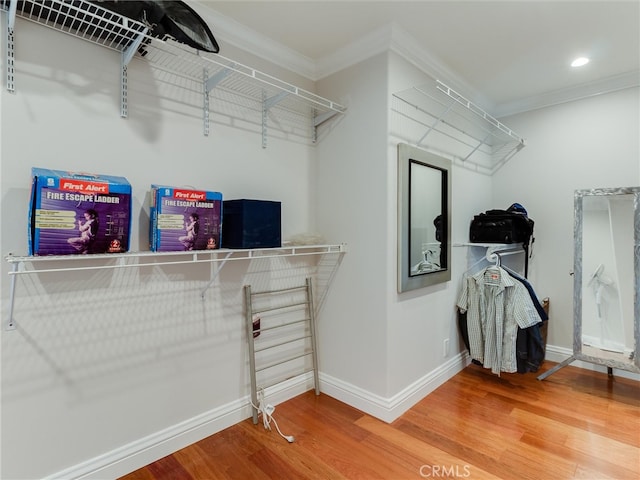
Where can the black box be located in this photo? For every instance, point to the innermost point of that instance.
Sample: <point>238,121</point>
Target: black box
<point>251,224</point>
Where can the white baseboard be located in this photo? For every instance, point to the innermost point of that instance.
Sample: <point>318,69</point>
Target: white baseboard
<point>388,409</point>
<point>144,451</point>
<point>560,354</point>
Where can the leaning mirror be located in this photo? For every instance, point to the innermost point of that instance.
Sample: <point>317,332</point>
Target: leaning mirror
<point>424,218</point>
<point>606,323</point>
<point>608,276</point>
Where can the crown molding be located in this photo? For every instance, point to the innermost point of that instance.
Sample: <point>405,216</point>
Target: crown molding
<point>371,44</point>
<point>411,50</point>
<point>388,37</point>
<point>240,36</point>
<point>391,37</point>
<point>577,92</point>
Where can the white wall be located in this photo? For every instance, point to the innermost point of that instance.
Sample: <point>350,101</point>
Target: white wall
<point>589,143</point>
<point>107,363</point>
<point>382,350</point>
<point>419,322</point>
<point>353,206</point>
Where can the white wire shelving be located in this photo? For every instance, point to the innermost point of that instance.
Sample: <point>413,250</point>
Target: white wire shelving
<point>294,107</point>
<point>477,140</point>
<point>52,264</point>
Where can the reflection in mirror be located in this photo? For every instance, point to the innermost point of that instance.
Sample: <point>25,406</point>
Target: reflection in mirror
<point>607,277</point>
<point>425,213</point>
<point>424,192</point>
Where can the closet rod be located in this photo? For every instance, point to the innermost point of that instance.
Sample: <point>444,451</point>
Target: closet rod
<point>502,251</point>
<point>497,249</point>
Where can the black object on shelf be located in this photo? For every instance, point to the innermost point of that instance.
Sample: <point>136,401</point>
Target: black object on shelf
<point>167,19</point>
<point>251,224</point>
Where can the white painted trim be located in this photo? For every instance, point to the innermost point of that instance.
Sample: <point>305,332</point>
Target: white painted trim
<point>373,43</point>
<point>386,38</point>
<point>229,31</point>
<point>391,37</point>
<point>414,52</point>
<point>560,354</point>
<point>388,409</point>
<point>607,85</point>
<point>146,450</point>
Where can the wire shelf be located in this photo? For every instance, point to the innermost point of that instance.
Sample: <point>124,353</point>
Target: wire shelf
<point>30,265</point>
<point>231,76</point>
<point>95,261</point>
<point>80,19</point>
<point>482,142</point>
<point>275,103</point>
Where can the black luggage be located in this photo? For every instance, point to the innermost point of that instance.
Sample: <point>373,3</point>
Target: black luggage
<point>502,226</point>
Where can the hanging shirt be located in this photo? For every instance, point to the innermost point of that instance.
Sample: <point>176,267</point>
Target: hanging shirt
<point>496,305</point>
<point>530,345</point>
<point>532,294</point>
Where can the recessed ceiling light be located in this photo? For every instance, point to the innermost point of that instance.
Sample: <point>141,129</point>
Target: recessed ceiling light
<point>578,62</point>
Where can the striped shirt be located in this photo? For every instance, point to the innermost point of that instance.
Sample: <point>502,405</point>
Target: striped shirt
<point>496,306</point>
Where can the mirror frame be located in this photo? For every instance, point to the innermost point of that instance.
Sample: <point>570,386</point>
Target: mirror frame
<point>578,280</point>
<point>406,155</point>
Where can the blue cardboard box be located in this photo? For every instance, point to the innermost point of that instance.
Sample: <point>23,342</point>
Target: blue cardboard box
<point>251,224</point>
<point>78,213</point>
<point>184,219</point>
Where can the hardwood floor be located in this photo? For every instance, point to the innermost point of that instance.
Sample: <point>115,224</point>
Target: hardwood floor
<point>575,424</point>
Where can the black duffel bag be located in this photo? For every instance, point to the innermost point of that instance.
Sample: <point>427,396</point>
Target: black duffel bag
<point>502,226</point>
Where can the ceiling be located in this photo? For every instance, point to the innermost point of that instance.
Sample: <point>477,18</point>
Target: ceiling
<point>513,55</point>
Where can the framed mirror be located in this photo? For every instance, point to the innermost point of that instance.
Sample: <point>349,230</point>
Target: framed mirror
<point>424,218</point>
<point>606,323</point>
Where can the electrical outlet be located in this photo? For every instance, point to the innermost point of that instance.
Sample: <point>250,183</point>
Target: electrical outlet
<point>446,347</point>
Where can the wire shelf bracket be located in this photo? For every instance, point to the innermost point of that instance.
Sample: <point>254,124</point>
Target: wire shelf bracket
<point>209,83</point>
<point>10,46</point>
<point>126,57</point>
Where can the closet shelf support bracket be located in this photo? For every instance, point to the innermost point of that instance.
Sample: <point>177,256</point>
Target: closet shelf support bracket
<point>482,142</point>
<point>438,120</point>
<point>10,46</point>
<point>267,103</point>
<point>10,325</point>
<point>209,83</point>
<point>215,275</point>
<point>319,119</point>
<point>126,57</point>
